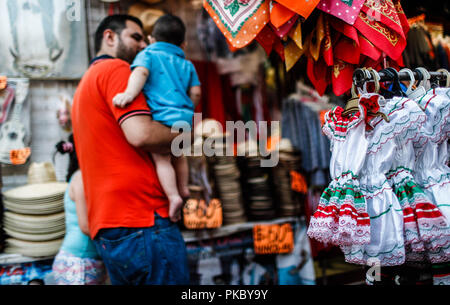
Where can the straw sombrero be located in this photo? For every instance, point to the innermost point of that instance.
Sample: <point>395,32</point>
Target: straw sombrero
<point>210,128</point>
<point>41,172</point>
<point>146,14</point>
<point>285,145</point>
<point>151,1</point>
<point>33,248</point>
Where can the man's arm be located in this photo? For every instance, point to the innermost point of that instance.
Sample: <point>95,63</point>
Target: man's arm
<point>144,133</point>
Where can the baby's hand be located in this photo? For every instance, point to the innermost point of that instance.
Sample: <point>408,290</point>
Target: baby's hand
<point>122,99</point>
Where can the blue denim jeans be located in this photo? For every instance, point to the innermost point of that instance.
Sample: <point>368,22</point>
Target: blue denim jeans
<point>144,256</point>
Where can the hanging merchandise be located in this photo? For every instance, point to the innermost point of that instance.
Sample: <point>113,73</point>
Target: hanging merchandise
<point>239,20</point>
<point>301,125</point>
<point>392,144</point>
<point>337,38</point>
<point>6,99</point>
<point>114,6</point>
<point>212,103</point>
<point>346,10</point>
<point>419,51</point>
<point>14,133</point>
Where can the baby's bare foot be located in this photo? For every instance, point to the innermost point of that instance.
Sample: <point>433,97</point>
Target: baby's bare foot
<point>175,205</point>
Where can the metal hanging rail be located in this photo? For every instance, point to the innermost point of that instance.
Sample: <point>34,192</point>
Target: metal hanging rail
<point>360,77</point>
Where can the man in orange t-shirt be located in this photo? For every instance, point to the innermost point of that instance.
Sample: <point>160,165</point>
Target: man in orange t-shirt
<point>127,208</point>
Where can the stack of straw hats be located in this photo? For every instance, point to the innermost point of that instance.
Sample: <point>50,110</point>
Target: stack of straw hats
<point>257,183</point>
<point>225,171</point>
<point>289,203</point>
<point>34,213</point>
<point>147,14</point>
<point>258,191</point>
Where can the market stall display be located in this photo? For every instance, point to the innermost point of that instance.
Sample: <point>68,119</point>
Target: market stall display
<point>34,218</point>
<point>226,173</point>
<point>373,187</point>
<point>289,201</point>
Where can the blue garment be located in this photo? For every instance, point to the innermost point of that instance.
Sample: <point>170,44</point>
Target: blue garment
<point>170,78</point>
<point>75,241</point>
<point>301,125</point>
<point>144,256</point>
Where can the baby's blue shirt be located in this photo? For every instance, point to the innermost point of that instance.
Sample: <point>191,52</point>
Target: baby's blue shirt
<point>171,76</point>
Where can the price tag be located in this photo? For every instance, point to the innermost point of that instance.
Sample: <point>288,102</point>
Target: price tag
<point>273,238</point>
<point>3,82</point>
<point>322,116</point>
<point>298,182</point>
<point>19,156</point>
<point>198,215</point>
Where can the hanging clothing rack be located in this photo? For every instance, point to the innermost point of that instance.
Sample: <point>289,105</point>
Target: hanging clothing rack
<point>360,77</point>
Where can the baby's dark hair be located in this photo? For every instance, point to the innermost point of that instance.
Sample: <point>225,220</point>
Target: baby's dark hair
<point>68,147</point>
<point>169,28</point>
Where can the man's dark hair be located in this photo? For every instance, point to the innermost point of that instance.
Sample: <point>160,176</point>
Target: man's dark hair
<point>116,23</point>
<point>169,28</point>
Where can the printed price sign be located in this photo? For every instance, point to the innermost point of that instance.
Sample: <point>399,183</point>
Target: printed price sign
<point>298,182</point>
<point>3,82</point>
<point>19,156</point>
<point>273,238</point>
<point>196,215</point>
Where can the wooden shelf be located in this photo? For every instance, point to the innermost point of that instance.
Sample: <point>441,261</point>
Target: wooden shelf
<point>196,235</point>
<point>8,259</point>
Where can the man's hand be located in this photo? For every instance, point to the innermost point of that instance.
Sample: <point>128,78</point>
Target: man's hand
<point>122,99</point>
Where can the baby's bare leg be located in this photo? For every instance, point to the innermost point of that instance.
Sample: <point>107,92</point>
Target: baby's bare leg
<point>168,180</point>
<point>182,172</point>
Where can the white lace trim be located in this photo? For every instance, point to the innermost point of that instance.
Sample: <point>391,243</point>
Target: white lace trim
<point>384,257</point>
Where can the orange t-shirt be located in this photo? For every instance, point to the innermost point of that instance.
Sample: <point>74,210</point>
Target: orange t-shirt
<point>121,185</point>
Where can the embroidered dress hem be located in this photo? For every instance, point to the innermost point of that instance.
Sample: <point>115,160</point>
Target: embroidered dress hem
<point>423,221</point>
<point>341,218</point>
<point>393,256</point>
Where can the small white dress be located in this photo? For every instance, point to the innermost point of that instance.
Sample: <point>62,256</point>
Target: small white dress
<point>387,239</point>
<point>424,225</point>
<point>430,170</point>
<point>341,217</point>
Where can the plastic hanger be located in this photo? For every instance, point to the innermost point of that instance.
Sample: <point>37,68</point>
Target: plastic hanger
<point>425,81</point>
<point>412,80</point>
<point>353,103</point>
<point>396,89</point>
<point>447,76</point>
<point>420,90</point>
<point>376,79</point>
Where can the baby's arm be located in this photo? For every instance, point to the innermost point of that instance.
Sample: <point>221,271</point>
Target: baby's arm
<point>135,84</point>
<point>195,93</point>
